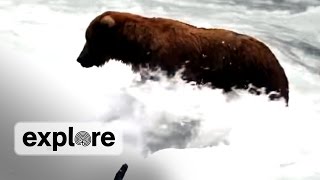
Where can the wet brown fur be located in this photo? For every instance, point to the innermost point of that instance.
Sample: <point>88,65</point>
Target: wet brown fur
<point>223,58</point>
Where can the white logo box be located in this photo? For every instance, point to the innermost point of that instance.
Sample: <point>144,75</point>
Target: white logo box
<point>62,127</point>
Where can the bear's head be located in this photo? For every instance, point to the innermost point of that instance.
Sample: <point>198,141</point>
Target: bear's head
<point>100,39</point>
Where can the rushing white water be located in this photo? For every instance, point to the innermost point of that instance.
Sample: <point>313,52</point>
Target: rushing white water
<point>190,132</point>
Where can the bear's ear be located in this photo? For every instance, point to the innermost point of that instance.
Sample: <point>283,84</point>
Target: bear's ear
<point>108,20</point>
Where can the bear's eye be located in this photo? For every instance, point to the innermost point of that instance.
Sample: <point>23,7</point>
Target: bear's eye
<point>92,33</point>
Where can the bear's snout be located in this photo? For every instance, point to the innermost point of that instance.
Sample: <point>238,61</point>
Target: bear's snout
<point>84,63</point>
<point>84,58</point>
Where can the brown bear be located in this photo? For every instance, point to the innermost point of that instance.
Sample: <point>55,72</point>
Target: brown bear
<point>222,58</point>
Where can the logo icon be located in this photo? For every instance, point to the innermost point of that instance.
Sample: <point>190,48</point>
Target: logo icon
<point>82,138</point>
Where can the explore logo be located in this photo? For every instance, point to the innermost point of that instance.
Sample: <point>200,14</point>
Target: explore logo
<point>66,139</point>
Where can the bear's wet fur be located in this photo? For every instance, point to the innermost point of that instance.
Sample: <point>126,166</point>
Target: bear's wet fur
<point>222,58</point>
